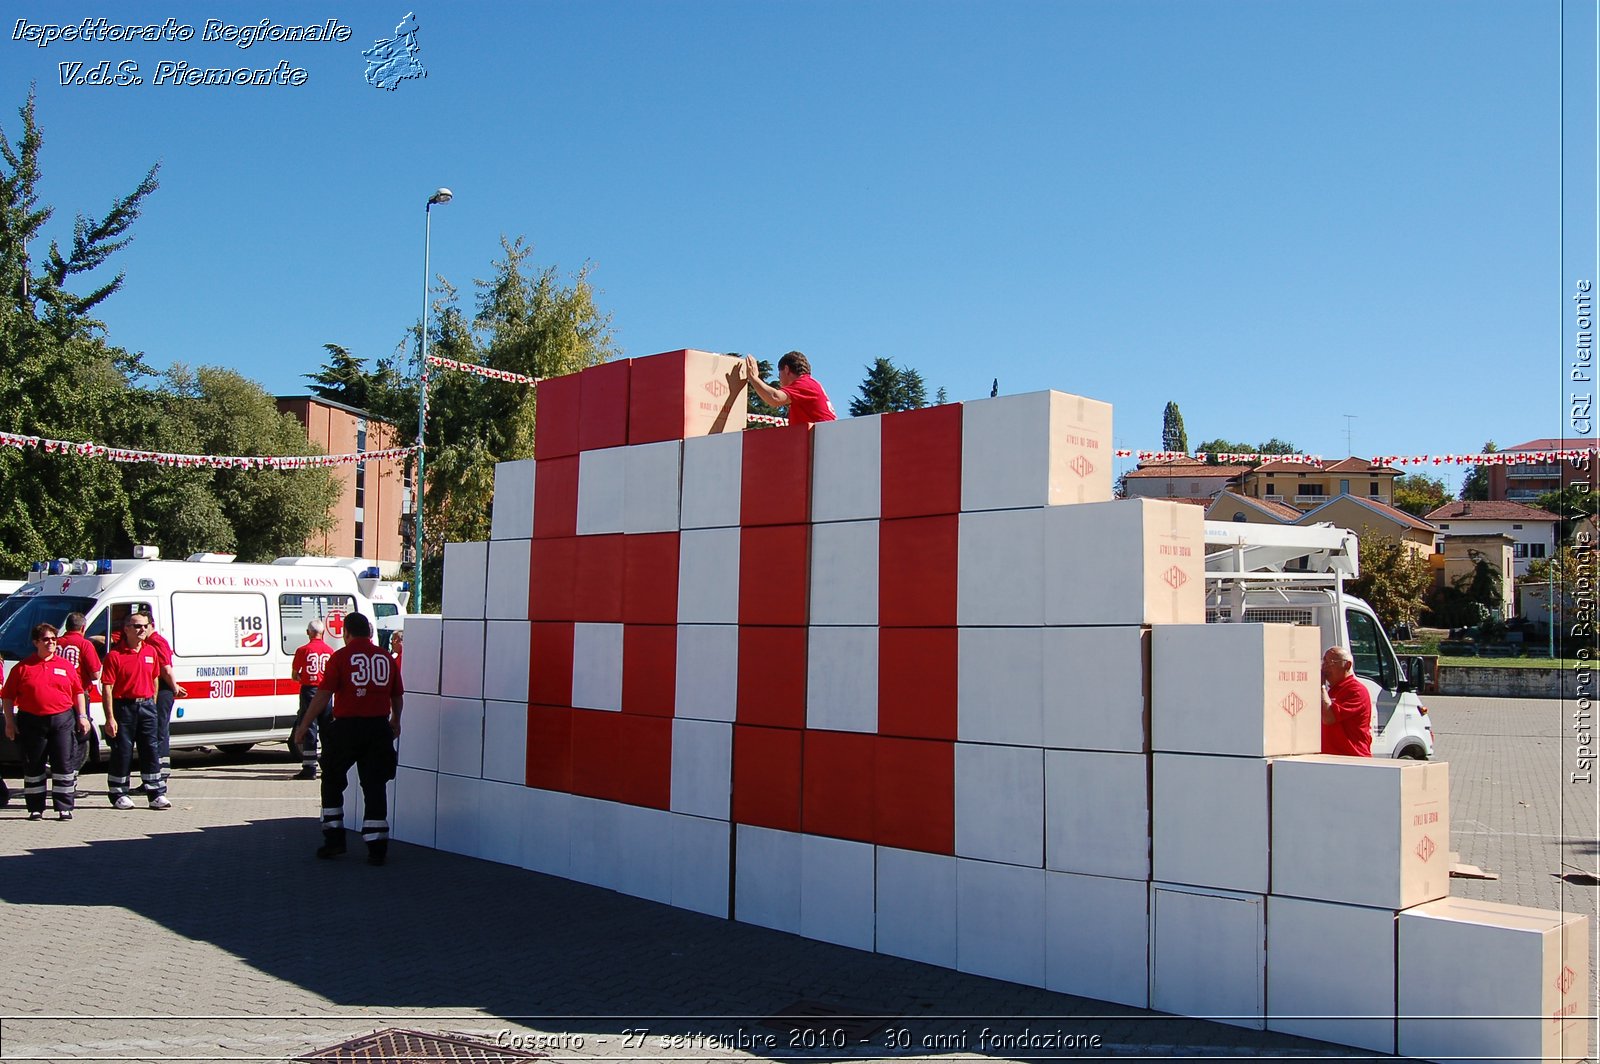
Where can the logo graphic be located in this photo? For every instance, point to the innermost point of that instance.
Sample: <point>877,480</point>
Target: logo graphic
<point>1175,577</point>
<point>393,61</point>
<point>1426,848</point>
<point>1292,704</point>
<point>717,388</point>
<point>1565,980</point>
<point>252,640</point>
<point>336,624</point>
<point>1081,466</point>
<point>66,583</point>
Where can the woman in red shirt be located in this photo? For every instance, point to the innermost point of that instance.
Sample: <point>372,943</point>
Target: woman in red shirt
<point>37,698</point>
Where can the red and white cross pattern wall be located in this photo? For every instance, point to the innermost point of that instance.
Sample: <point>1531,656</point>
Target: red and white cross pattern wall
<point>911,683</point>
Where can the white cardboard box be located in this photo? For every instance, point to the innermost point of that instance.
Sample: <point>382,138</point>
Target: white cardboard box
<point>1096,688</point>
<point>597,666</point>
<point>1097,938</point>
<point>1130,561</point>
<point>500,830</point>
<point>999,685</point>
<point>836,891</point>
<point>506,646</point>
<point>602,485</point>
<point>505,742</point>
<point>461,660</point>
<point>596,827</point>
<point>420,664</point>
<point>707,684</point>
<point>650,497</point>
<point>842,679</point>
<point>645,860</point>
<point>466,572</point>
<point>1361,830</point>
<point>1037,449</point>
<point>416,802</point>
<point>847,469</point>
<point>844,580</point>
<point>702,767</point>
<point>419,732</point>
<point>916,906</point>
<point>1483,981</point>
<point>1254,690</point>
<point>1208,822</point>
<point>460,736</point>
<point>1097,813</point>
<point>459,815</point>
<point>1000,804</point>
<point>701,850</point>
<point>547,832</point>
<point>1000,578</point>
<point>708,575</point>
<point>506,598</point>
<point>1330,972</point>
<point>766,882</point>
<point>712,480</point>
<point>999,916</point>
<point>1208,954</point>
<point>511,516</point>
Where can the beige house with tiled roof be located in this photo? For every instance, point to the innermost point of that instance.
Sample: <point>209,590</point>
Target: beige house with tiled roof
<point>1242,508</point>
<point>1178,478</point>
<point>1306,487</point>
<point>1532,531</point>
<point>1358,514</point>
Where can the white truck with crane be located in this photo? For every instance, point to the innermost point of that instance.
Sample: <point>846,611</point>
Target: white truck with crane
<point>1289,574</point>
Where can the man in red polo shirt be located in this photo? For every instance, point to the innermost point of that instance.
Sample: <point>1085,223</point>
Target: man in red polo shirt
<point>129,679</point>
<point>365,687</point>
<point>76,648</point>
<point>310,659</point>
<point>45,688</point>
<point>797,389</point>
<point>1346,707</point>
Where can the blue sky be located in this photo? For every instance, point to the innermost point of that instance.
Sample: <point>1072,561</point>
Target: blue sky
<point>1273,213</point>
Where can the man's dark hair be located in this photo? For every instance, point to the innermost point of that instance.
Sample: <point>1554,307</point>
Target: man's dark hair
<point>358,626</point>
<point>795,363</point>
<point>42,630</point>
<point>75,622</point>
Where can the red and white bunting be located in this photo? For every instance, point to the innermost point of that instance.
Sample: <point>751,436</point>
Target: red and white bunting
<point>1495,458</point>
<point>199,461</point>
<point>482,371</point>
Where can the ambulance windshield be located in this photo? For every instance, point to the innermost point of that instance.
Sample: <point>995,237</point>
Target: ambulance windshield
<point>16,641</point>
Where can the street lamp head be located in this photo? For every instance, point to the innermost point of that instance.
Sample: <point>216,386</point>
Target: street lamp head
<point>444,195</point>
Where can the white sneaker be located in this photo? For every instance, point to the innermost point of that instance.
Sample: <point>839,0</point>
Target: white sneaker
<point>122,801</point>
<point>159,802</point>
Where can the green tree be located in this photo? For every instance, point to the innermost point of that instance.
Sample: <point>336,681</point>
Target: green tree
<point>343,378</point>
<point>1393,578</point>
<point>940,397</point>
<point>1212,448</point>
<point>887,388</point>
<point>1475,485</point>
<point>1419,494</point>
<point>1572,504</point>
<point>1173,438</point>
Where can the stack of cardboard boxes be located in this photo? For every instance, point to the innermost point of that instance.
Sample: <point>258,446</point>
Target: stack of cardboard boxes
<point>914,683</point>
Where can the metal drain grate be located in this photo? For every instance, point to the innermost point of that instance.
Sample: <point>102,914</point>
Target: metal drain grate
<point>395,1046</point>
<point>837,1027</point>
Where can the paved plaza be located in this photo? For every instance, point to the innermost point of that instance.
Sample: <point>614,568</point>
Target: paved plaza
<point>210,933</point>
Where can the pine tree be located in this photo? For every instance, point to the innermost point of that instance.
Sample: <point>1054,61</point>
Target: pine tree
<point>887,388</point>
<point>1475,485</point>
<point>343,378</point>
<point>1173,438</point>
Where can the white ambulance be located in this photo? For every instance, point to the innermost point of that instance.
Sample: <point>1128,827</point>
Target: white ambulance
<point>233,628</point>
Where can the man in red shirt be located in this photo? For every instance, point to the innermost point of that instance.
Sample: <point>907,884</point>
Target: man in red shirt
<point>365,687</point>
<point>1346,707</point>
<point>167,693</point>
<point>310,659</point>
<point>45,688</point>
<point>129,679</point>
<point>76,648</point>
<point>797,389</point>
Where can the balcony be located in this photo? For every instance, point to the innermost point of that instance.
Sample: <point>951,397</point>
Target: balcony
<point>1522,472</point>
<point>1304,499</point>
<point>1522,494</point>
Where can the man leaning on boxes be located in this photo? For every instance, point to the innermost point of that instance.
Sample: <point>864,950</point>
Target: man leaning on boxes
<point>1346,707</point>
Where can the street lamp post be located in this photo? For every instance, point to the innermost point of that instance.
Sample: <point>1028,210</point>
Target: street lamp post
<point>443,195</point>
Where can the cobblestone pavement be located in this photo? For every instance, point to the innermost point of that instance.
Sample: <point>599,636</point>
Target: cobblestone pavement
<point>210,933</point>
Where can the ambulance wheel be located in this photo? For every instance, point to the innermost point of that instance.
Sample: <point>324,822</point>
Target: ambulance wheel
<point>235,749</point>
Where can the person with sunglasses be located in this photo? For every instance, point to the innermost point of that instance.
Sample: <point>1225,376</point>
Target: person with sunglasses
<point>129,679</point>
<point>38,699</point>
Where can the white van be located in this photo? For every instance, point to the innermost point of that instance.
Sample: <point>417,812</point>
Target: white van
<point>1295,575</point>
<point>234,628</point>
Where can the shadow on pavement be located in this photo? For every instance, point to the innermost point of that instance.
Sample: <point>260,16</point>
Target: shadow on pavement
<point>435,931</point>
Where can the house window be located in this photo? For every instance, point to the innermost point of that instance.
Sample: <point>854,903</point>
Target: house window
<point>1239,517</point>
<point>1270,490</point>
<point>1536,550</point>
<point>1516,527</point>
<point>1444,526</point>
<point>1314,489</point>
<point>361,551</point>
<point>1372,489</point>
<point>1344,487</point>
<point>361,485</point>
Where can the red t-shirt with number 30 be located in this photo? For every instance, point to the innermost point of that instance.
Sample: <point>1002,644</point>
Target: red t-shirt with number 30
<point>362,677</point>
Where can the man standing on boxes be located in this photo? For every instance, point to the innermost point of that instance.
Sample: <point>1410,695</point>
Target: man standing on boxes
<point>310,658</point>
<point>1346,707</point>
<point>132,674</point>
<point>365,687</point>
<point>797,389</point>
